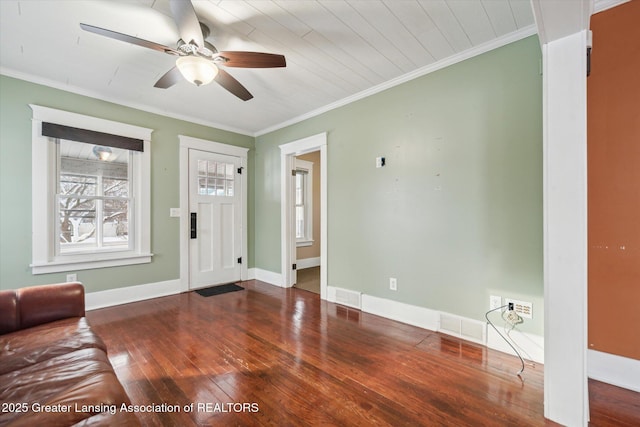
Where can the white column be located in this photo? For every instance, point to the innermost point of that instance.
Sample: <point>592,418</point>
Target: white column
<point>565,230</point>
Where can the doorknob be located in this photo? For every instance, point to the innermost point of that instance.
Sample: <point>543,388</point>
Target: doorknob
<point>194,225</point>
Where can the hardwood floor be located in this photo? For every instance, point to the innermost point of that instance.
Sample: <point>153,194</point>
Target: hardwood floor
<point>273,356</point>
<point>309,279</point>
<point>613,406</point>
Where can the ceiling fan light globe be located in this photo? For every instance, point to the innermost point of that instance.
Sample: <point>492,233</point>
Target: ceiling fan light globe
<point>198,71</point>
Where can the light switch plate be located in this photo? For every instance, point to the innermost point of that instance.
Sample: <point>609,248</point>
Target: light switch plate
<point>174,212</point>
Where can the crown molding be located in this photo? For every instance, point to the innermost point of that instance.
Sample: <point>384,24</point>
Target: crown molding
<point>459,57</point>
<point>100,96</point>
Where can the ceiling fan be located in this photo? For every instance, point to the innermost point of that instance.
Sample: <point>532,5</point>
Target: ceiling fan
<point>198,60</point>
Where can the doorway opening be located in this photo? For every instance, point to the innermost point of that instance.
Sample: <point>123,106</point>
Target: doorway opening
<point>296,232</point>
<point>307,207</point>
<point>213,213</point>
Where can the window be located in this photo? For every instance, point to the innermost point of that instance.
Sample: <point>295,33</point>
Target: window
<point>215,178</point>
<point>303,203</point>
<point>90,192</point>
<point>93,198</point>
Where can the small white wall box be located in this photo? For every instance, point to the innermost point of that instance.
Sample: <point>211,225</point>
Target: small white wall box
<point>380,162</point>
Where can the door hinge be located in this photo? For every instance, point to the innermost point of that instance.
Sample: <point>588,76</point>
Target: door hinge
<point>293,172</point>
<point>294,267</point>
<point>240,260</point>
<point>240,170</point>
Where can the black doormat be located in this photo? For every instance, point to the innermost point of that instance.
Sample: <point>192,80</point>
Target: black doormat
<point>220,289</point>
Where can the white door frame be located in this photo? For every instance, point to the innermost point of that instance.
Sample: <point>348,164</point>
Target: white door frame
<point>287,154</point>
<point>187,143</point>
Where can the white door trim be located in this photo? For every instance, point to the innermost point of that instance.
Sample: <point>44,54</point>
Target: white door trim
<point>564,102</point>
<point>187,143</point>
<point>287,154</point>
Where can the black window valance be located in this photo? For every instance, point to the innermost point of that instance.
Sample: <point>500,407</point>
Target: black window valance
<point>91,137</point>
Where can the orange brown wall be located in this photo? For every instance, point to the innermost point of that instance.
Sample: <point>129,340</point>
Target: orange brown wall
<point>613,115</point>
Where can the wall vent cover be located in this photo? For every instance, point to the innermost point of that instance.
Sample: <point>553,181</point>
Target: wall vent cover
<point>472,330</point>
<point>464,328</point>
<point>348,298</point>
<point>449,324</point>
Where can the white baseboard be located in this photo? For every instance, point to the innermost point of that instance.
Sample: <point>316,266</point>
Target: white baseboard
<point>267,276</point>
<point>531,345</point>
<point>307,263</point>
<point>405,313</point>
<point>429,319</point>
<point>612,369</point>
<point>111,297</point>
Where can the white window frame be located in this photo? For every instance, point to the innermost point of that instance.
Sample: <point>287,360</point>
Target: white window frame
<point>43,163</point>
<point>307,167</point>
<point>99,201</point>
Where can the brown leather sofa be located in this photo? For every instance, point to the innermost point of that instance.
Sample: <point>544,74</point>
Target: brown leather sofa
<point>54,369</point>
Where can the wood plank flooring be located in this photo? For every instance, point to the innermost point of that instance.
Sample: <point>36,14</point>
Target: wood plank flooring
<point>273,356</point>
<point>309,279</point>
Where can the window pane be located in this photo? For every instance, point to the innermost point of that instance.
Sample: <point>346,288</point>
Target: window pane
<point>212,177</point>
<point>202,186</point>
<point>114,187</point>
<point>219,187</point>
<point>215,179</point>
<point>77,218</point>
<point>93,203</point>
<point>300,178</point>
<point>115,224</point>
<point>299,222</point>
<point>303,200</point>
<point>78,184</point>
<point>202,167</point>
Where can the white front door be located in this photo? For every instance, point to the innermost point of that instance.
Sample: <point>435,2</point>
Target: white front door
<point>215,215</point>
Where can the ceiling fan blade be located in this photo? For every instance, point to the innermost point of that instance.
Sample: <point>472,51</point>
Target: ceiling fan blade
<point>232,85</point>
<point>170,78</point>
<point>187,21</point>
<point>128,39</point>
<point>252,59</point>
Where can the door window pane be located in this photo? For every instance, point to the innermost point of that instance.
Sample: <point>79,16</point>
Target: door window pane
<point>215,178</point>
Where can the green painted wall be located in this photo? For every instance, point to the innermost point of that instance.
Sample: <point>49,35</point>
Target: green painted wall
<point>15,185</point>
<point>456,215</point>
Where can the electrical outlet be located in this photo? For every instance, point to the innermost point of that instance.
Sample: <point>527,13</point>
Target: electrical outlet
<point>72,277</point>
<point>495,302</point>
<point>393,284</point>
<point>522,308</point>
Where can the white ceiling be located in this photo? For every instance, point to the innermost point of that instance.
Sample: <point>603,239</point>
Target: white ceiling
<point>336,51</point>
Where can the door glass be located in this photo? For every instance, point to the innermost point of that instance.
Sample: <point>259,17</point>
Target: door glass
<point>215,178</point>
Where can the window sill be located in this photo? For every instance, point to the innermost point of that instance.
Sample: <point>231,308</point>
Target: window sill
<point>90,262</point>
<point>302,243</point>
